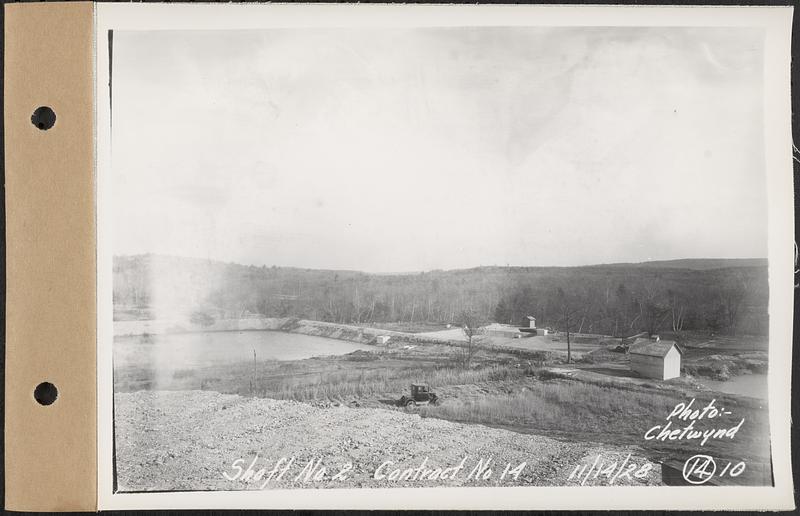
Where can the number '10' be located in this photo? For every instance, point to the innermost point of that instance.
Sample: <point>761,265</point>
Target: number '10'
<point>735,471</point>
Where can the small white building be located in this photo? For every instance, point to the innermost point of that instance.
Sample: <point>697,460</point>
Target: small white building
<point>382,340</point>
<point>659,359</point>
<point>529,327</point>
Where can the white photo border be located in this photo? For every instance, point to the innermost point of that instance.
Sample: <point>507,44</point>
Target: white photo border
<point>776,22</point>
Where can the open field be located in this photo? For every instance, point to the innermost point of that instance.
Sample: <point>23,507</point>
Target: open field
<point>332,378</point>
<point>612,413</point>
<point>718,359</point>
<point>527,392</point>
<point>550,343</point>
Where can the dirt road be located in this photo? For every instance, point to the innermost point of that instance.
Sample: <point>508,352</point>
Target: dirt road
<point>200,440</point>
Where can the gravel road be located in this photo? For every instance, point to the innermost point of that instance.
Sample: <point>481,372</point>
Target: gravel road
<point>202,440</point>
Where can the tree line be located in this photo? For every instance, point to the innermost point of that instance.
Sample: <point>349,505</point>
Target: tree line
<point>612,300</point>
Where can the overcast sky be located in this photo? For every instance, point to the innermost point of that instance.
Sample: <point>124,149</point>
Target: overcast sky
<point>417,149</point>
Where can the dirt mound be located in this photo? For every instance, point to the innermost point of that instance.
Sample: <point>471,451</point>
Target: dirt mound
<point>190,440</point>
<point>723,367</point>
<point>360,355</point>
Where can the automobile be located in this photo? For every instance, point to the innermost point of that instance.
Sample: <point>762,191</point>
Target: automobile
<point>420,395</point>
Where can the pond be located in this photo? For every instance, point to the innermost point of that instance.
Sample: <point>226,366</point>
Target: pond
<point>188,350</point>
<point>753,385</point>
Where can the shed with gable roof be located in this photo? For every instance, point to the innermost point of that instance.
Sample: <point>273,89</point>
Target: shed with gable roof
<point>659,359</point>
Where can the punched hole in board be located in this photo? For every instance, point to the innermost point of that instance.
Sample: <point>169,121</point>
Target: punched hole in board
<point>44,118</point>
<point>45,393</point>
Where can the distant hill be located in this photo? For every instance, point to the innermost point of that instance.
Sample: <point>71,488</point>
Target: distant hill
<point>696,264</point>
<point>712,294</point>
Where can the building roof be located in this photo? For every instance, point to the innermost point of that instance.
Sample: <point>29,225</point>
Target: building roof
<point>530,317</point>
<point>653,348</point>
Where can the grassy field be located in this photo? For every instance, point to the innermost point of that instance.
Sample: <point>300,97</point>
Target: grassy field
<point>507,390</point>
<point>367,383</point>
<point>614,414</point>
<point>338,378</point>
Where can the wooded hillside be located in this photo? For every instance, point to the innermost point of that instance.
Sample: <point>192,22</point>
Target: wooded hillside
<point>615,299</point>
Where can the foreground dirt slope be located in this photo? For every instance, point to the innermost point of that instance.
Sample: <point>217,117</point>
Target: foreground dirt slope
<point>186,440</point>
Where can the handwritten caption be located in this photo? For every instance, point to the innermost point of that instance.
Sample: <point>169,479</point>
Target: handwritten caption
<point>313,471</point>
<point>611,471</point>
<point>681,424</point>
<point>699,469</point>
<point>688,412</point>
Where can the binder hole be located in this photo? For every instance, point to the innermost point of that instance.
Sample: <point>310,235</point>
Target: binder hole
<point>44,118</point>
<point>45,393</point>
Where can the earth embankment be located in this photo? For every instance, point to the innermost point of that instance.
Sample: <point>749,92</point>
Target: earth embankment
<point>190,440</point>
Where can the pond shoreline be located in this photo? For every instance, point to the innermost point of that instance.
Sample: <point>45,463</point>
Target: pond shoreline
<point>168,326</point>
<point>705,368</point>
<point>352,333</point>
<point>753,385</point>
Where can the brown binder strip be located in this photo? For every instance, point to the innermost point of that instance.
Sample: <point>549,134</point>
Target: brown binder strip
<point>50,451</point>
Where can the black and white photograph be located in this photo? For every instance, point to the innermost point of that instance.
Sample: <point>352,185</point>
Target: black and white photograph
<point>355,257</point>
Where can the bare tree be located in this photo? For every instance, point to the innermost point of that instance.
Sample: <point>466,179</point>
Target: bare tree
<point>677,308</point>
<point>571,311</point>
<point>652,313</point>
<point>470,325</point>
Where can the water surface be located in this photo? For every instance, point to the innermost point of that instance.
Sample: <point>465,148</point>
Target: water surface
<point>753,385</point>
<point>187,350</point>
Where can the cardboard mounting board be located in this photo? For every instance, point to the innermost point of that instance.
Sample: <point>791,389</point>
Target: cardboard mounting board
<point>50,451</point>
